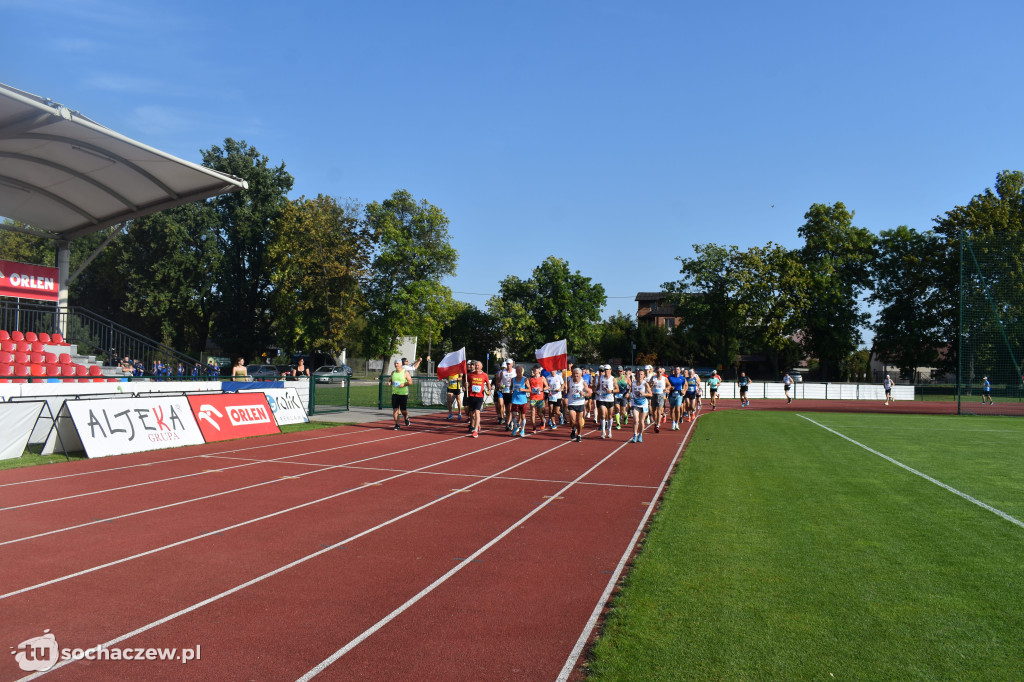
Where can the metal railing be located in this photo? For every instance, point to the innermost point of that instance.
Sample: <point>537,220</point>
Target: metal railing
<point>92,333</point>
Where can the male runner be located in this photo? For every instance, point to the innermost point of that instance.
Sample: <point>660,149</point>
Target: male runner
<point>455,396</point>
<point>986,391</point>
<point>639,392</point>
<point>787,386</point>
<point>577,392</point>
<point>887,385</point>
<point>538,392</point>
<point>477,385</point>
<point>605,390</point>
<point>555,383</point>
<point>400,382</point>
<point>675,396</point>
<point>519,397</point>
<point>744,383</point>
<point>713,382</point>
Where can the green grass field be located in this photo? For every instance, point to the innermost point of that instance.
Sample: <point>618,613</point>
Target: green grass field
<point>782,551</point>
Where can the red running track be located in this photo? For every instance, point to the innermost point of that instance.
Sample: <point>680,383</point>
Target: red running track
<point>348,553</point>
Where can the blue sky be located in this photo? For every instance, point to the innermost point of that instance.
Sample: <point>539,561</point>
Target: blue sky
<point>612,134</point>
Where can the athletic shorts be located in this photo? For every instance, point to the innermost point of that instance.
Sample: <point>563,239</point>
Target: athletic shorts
<point>610,403</point>
<point>518,407</point>
<point>455,391</point>
<point>399,402</point>
<point>577,408</point>
<point>743,390</point>
<point>658,400</point>
<point>474,404</point>
<point>555,401</point>
<point>712,391</point>
<point>507,398</point>
<point>537,404</point>
<point>675,399</point>
<point>691,395</point>
<point>786,388</point>
<point>622,401</point>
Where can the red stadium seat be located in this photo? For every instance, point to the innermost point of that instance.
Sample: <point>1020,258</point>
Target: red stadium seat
<point>36,346</point>
<point>21,358</point>
<point>95,371</point>
<point>6,357</point>
<point>38,370</point>
<point>36,358</point>
<point>65,359</point>
<point>9,346</point>
<point>52,369</point>
<point>23,346</point>
<point>44,337</point>
<point>49,358</point>
<point>4,336</point>
<point>17,336</point>
<point>81,371</point>
<point>58,339</point>
<point>31,337</point>
<point>20,372</point>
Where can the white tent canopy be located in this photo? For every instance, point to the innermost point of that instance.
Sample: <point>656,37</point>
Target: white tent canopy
<point>67,176</point>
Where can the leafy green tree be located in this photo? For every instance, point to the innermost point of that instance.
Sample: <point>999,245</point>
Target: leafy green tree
<point>246,226</point>
<point>772,291</point>
<point>837,256</point>
<point>617,333</point>
<point>320,254</point>
<point>906,273</point>
<point>708,300</point>
<point>403,289</point>
<point>993,222</point>
<point>169,263</point>
<point>472,328</point>
<point>555,303</point>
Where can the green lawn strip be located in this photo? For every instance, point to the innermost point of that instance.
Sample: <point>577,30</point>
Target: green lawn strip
<point>782,553</point>
<point>979,456</point>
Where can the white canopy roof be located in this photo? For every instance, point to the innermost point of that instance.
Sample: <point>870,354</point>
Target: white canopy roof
<point>67,176</point>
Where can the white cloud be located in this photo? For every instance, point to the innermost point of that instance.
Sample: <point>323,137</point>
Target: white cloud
<point>115,82</point>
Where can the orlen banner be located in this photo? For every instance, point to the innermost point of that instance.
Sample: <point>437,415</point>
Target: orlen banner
<point>233,415</point>
<point>21,280</point>
<point>117,426</point>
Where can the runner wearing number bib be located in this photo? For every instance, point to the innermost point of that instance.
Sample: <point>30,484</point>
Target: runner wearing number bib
<point>555,383</point>
<point>477,385</point>
<point>577,393</point>
<point>639,392</point>
<point>606,386</point>
<point>538,389</point>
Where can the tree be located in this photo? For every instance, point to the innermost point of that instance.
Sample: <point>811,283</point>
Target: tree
<point>837,258</point>
<point>906,273</point>
<point>707,299</point>
<point>319,255</point>
<point>617,334</point>
<point>246,225</point>
<point>555,303</point>
<point>993,224</point>
<point>169,263</point>
<point>773,292</point>
<point>403,289</point>
<point>472,328</point>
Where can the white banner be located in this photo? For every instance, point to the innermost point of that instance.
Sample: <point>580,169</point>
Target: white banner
<point>286,405</point>
<point>16,422</point>
<point>120,426</point>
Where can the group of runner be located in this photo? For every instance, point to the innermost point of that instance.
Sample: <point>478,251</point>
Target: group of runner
<point>553,398</point>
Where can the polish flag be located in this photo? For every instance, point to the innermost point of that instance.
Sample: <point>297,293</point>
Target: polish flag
<point>553,356</point>
<point>453,363</point>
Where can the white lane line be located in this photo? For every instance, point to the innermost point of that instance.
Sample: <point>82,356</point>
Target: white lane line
<point>588,629</point>
<point>302,560</point>
<point>323,467</point>
<point>323,665</point>
<point>186,541</point>
<point>250,462</point>
<point>506,478</point>
<point>165,461</point>
<point>972,500</point>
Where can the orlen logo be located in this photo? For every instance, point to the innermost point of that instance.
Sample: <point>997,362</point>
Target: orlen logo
<point>37,654</point>
<point>249,414</point>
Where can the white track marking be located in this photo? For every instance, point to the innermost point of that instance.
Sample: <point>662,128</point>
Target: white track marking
<point>163,461</point>
<point>201,536</point>
<point>504,478</point>
<point>249,462</point>
<point>323,467</point>
<point>588,629</point>
<point>997,512</point>
<point>320,667</point>
<point>302,560</point>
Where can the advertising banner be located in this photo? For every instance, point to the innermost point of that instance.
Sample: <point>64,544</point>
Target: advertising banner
<point>21,280</point>
<point>233,415</point>
<point>118,426</point>
<point>16,423</point>
<point>286,405</point>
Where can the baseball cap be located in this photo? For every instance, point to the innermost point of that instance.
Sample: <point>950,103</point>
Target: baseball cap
<point>510,361</point>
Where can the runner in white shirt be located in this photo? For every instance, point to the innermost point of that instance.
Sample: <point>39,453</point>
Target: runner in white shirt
<point>639,393</point>
<point>605,390</point>
<point>577,392</point>
<point>659,391</point>
<point>555,383</point>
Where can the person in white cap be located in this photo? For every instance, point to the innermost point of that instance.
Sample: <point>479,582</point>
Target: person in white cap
<point>503,392</point>
<point>605,393</point>
<point>887,386</point>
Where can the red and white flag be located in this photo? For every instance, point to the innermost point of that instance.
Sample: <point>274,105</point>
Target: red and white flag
<point>553,356</point>
<point>453,363</point>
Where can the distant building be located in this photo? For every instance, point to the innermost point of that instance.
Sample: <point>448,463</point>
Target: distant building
<point>652,307</point>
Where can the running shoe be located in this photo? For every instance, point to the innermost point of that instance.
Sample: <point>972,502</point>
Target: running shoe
<point>579,438</point>
<point>657,428</point>
<point>633,439</point>
<point>460,417</point>
<point>396,428</point>
<point>449,417</point>
<point>475,434</point>
<point>407,422</point>
<point>641,438</point>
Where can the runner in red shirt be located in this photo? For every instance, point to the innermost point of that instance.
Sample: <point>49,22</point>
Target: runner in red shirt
<point>538,389</point>
<point>477,385</point>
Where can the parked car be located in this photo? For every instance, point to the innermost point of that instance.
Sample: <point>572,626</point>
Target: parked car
<point>329,374</point>
<point>263,372</point>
